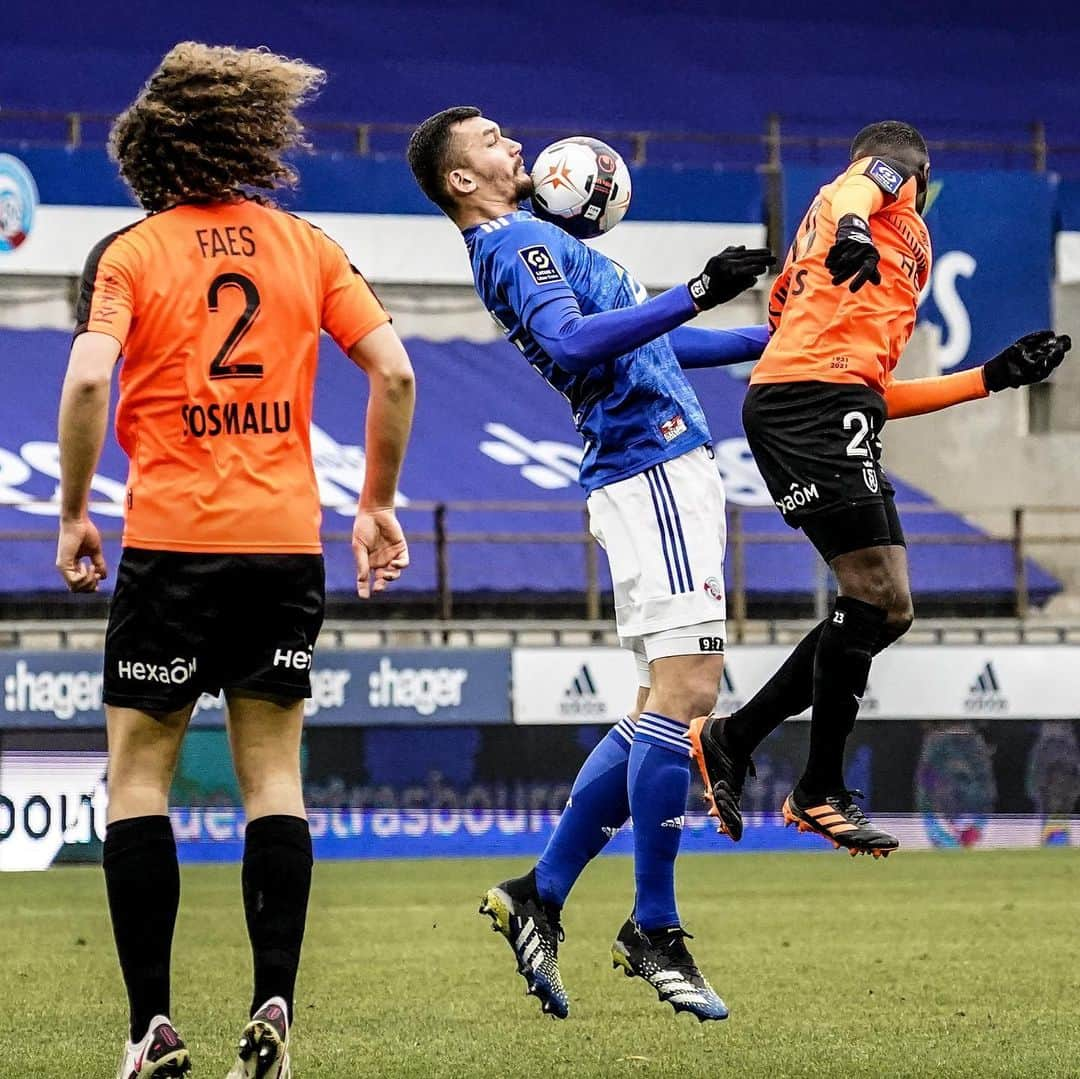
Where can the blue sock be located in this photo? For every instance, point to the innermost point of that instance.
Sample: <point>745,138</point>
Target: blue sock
<point>597,809</point>
<point>659,781</point>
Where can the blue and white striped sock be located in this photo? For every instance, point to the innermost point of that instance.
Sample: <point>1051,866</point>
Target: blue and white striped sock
<point>658,781</point>
<point>597,809</point>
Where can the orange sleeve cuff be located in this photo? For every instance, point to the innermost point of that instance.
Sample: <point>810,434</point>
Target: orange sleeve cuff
<point>857,195</point>
<point>917,396</point>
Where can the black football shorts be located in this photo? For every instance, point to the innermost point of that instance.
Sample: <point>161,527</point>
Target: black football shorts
<point>818,448</point>
<point>184,624</point>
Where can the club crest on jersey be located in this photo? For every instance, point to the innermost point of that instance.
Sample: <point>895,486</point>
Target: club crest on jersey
<point>715,588</point>
<point>885,176</point>
<point>870,478</point>
<point>671,429</point>
<point>541,264</point>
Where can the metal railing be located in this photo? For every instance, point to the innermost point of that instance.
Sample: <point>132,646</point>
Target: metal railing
<point>89,634</point>
<point>443,535</point>
<point>76,128</point>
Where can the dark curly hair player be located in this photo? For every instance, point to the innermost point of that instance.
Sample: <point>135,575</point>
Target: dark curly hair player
<point>216,301</point>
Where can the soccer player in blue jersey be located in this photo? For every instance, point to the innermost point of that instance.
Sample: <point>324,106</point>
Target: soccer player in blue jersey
<point>656,505</point>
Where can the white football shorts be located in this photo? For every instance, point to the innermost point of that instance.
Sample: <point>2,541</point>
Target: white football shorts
<point>665,534</point>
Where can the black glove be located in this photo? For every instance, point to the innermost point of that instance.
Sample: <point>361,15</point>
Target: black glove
<point>725,275</point>
<point>1029,360</point>
<point>853,254</point>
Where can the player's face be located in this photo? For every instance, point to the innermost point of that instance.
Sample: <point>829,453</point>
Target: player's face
<point>491,164</point>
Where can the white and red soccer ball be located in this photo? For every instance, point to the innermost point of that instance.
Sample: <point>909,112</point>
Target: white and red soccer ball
<point>582,185</point>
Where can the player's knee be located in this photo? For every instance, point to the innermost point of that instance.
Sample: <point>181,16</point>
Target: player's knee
<point>697,693</point>
<point>899,619</point>
<point>260,782</point>
<point>872,582</point>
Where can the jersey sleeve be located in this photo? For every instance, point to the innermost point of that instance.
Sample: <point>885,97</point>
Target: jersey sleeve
<point>106,301</point>
<point>529,269</point>
<point>350,308</point>
<point>886,174</point>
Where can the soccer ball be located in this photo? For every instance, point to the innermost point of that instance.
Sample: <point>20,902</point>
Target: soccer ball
<point>581,185</point>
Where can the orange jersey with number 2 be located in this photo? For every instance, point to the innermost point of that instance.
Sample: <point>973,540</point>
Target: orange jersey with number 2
<point>218,309</point>
<point>823,332</point>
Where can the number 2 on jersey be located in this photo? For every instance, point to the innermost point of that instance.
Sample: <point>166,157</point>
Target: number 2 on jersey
<point>219,365</point>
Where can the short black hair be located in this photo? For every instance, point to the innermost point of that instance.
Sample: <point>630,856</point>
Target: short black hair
<point>887,137</point>
<point>429,151</point>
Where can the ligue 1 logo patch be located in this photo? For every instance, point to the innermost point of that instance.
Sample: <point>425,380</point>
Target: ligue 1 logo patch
<point>541,264</point>
<point>885,176</point>
<point>18,201</point>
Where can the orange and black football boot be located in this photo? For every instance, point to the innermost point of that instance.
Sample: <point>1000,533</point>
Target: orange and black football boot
<point>723,771</point>
<point>841,821</point>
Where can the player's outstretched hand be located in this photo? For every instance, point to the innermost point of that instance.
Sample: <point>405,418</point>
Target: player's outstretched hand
<point>1024,362</point>
<point>853,254</point>
<point>79,557</point>
<point>725,275</point>
<point>379,548</point>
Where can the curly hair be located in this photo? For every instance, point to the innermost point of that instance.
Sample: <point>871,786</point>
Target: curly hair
<point>212,123</point>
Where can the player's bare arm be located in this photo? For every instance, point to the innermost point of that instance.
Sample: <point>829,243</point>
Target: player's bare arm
<point>84,418</point>
<point>378,542</point>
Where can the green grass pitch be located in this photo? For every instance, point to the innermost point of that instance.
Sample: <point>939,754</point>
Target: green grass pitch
<point>930,964</point>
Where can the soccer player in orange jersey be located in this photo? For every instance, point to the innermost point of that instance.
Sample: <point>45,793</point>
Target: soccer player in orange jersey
<point>841,313</point>
<point>216,300</point>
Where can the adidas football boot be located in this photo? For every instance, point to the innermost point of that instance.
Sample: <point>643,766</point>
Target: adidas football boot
<point>723,771</point>
<point>534,930</point>
<point>161,1054</point>
<point>263,1052</point>
<point>841,821</point>
<point>662,959</point>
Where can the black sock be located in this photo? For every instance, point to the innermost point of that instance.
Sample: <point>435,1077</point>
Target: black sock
<point>787,693</point>
<point>841,668</point>
<point>276,878</point>
<point>142,879</point>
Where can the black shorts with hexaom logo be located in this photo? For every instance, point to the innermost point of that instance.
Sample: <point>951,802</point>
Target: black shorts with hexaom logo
<point>818,448</point>
<point>182,624</point>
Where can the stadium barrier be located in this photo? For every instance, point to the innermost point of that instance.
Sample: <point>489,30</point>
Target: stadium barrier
<point>947,546</point>
<point>765,149</point>
<point>414,753</point>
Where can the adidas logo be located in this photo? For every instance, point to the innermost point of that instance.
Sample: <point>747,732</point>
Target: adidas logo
<point>580,698</point>
<point>610,832</point>
<point>984,694</point>
<point>728,699</point>
<point>673,822</point>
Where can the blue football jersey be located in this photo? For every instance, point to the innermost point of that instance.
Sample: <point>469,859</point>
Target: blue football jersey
<point>633,411</point>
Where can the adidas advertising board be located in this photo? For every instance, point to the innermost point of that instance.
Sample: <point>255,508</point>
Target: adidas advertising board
<point>561,685</point>
<point>567,685</point>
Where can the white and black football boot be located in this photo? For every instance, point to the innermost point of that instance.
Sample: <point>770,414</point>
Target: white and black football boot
<point>662,959</point>
<point>534,930</point>
<point>263,1052</point>
<point>160,1054</point>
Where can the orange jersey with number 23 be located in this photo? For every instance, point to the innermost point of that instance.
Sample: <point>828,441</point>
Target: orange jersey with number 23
<point>823,332</point>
